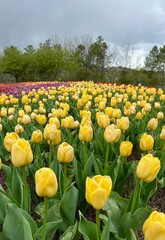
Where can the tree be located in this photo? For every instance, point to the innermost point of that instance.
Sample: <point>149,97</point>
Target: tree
<point>12,62</point>
<point>152,62</point>
<point>162,60</point>
<point>97,56</point>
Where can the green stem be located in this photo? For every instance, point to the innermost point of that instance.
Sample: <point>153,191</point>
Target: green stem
<point>38,155</point>
<point>64,177</point>
<point>69,136</point>
<point>50,153</point>
<point>135,196</point>
<point>106,158</point>
<point>45,218</point>
<point>25,190</point>
<point>85,152</point>
<point>98,224</point>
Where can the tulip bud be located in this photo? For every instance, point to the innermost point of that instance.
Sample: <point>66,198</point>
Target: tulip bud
<point>9,140</point>
<point>98,190</point>
<point>50,132</point>
<point>162,134</point>
<point>103,120</point>
<point>146,142</point>
<point>41,119</point>
<point>21,153</point>
<point>76,124</point>
<point>18,129</point>
<point>57,139</point>
<point>160,115</point>
<point>126,148</point>
<point>154,226</point>
<point>112,134</point>
<point>65,153</point>
<point>45,182</point>
<point>68,122</point>
<point>86,133</point>
<point>152,124</point>
<point>55,120</point>
<point>148,168</point>
<point>26,119</point>
<point>37,136</point>
<point>123,123</point>
<point>1,127</point>
<point>86,120</point>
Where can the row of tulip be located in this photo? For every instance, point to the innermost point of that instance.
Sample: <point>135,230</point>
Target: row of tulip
<point>78,151</point>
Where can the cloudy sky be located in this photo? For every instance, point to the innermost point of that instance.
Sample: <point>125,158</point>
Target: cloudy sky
<point>140,23</point>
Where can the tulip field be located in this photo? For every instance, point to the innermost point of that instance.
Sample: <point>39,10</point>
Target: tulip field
<point>81,160</point>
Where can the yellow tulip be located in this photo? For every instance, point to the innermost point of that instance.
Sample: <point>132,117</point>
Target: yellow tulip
<point>123,123</point>
<point>57,139</point>
<point>37,136</point>
<point>27,108</point>
<point>86,133</point>
<point>139,115</point>
<point>26,119</point>
<point>98,190</point>
<point>154,226</point>
<point>103,120</point>
<point>18,129</point>
<point>160,115</point>
<point>21,153</point>
<point>9,140</point>
<point>55,120</point>
<point>41,119</point>
<point>162,134</point>
<point>45,182</point>
<point>3,112</point>
<point>50,132</point>
<point>1,127</point>
<point>148,168</point>
<point>67,122</point>
<point>112,134</point>
<point>65,153</point>
<point>126,148</point>
<point>21,112</point>
<point>86,120</point>
<point>152,124</point>
<point>146,142</point>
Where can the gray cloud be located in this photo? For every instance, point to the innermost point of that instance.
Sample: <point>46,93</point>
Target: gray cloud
<point>137,22</point>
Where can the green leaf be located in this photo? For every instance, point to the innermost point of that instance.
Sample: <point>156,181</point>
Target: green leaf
<point>133,221</point>
<point>15,184</point>
<point>88,167</point>
<point>115,208</point>
<point>106,230</point>
<point>51,228</point>
<point>30,220</point>
<point>3,152</point>
<point>3,201</point>
<point>87,228</point>
<point>6,169</point>
<point>70,233</point>
<point>2,237</point>
<point>68,204</point>
<point>16,225</point>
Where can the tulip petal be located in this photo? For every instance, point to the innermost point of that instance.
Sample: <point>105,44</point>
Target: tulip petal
<point>98,198</point>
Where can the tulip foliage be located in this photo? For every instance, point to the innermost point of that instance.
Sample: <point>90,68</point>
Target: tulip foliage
<point>81,161</point>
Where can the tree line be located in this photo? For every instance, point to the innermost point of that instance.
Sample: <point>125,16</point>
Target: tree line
<point>82,60</point>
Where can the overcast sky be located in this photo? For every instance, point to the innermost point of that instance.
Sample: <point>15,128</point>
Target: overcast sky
<point>137,22</point>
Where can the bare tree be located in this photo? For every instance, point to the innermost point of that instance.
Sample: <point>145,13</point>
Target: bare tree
<point>128,56</point>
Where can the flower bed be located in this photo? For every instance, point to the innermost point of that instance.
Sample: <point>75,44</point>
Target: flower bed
<point>81,160</point>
